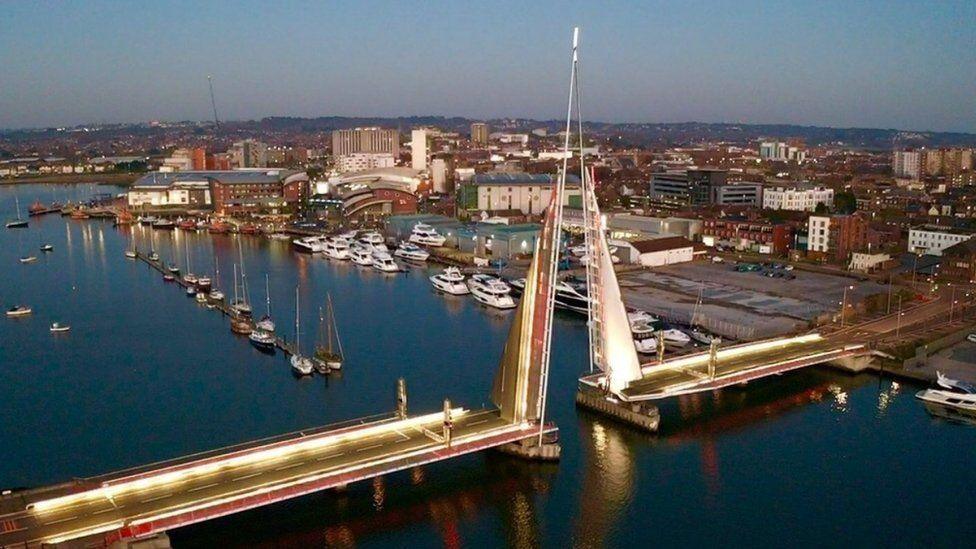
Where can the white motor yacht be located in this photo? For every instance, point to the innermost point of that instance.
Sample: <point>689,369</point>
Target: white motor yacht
<point>19,310</point>
<point>425,235</point>
<point>373,241</point>
<point>57,328</point>
<point>645,336</point>
<point>412,252</point>
<point>309,244</point>
<point>349,236</point>
<point>451,281</point>
<point>956,397</point>
<point>361,256</point>
<point>701,336</point>
<point>302,365</point>
<point>383,261</point>
<point>491,291</point>
<point>336,248</point>
<point>675,338</point>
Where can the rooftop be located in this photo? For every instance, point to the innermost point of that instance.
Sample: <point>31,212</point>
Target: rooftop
<point>520,178</point>
<point>662,244</point>
<point>231,177</point>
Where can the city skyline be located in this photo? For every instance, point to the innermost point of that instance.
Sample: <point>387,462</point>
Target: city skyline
<point>870,64</point>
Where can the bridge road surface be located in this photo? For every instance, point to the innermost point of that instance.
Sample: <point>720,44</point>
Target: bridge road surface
<point>689,372</point>
<point>168,495</point>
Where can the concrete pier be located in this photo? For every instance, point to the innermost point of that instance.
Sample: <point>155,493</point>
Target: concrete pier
<point>530,449</point>
<point>641,415</point>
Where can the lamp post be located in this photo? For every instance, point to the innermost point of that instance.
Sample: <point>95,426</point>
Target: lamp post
<point>888,308</point>
<point>898,320</point>
<point>843,306</point>
<point>952,304</point>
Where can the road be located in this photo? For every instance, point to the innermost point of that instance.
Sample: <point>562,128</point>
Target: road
<point>211,482</point>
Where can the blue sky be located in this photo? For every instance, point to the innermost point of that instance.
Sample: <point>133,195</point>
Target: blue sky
<point>908,65</point>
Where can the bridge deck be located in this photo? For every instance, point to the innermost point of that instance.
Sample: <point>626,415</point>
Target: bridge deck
<point>689,374</point>
<point>128,506</point>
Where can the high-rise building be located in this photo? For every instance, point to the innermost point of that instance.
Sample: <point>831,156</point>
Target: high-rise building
<point>418,149</point>
<point>249,154</point>
<point>438,175</point>
<point>479,133</point>
<point>907,164</point>
<point>781,152</point>
<point>365,140</point>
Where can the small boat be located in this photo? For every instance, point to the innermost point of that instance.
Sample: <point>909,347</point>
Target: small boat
<point>279,236</point>
<point>248,228</point>
<point>147,220</point>
<point>189,277</point>
<point>191,291</point>
<point>47,248</point>
<point>645,336</point>
<point>204,283</point>
<point>241,326</point>
<point>215,295</point>
<point>571,294</point>
<point>240,305</point>
<point>701,336</point>
<point>19,223</point>
<point>187,225</point>
<point>79,213</point>
<point>168,277</point>
<point>491,291</point>
<point>131,254</point>
<point>201,297</point>
<point>675,338</point>
<point>19,310</point>
<point>163,225</point>
<point>36,208</point>
<point>218,227</point>
<point>451,281</point>
<point>28,259</point>
<point>361,256</point>
<point>57,328</point>
<point>426,235</point>
<point>411,252</point>
<point>301,365</point>
<point>329,354</point>
<point>173,268</point>
<point>383,261</point>
<point>262,341</point>
<point>950,398</point>
<point>153,256</point>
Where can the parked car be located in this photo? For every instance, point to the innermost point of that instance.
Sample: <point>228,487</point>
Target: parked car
<point>716,259</point>
<point>971,337</point>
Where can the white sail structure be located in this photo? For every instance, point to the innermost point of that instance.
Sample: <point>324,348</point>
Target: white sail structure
<point>611,343</point>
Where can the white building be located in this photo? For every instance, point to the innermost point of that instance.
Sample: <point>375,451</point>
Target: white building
<point>818,233</point>
<point>529,193</point>
<point>781,152</point>
<point>664,251</point>
<point>520,138</point>
<point>438,175</point>
<point>932,239</point>
<point>867,262</point>
<point>358,162</point>
<point>907,164</point>
<point>418,150</point>
<point>797,198</point>
<point>164,191</point>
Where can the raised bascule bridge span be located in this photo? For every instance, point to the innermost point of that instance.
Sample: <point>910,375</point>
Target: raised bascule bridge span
<point>141,502</point>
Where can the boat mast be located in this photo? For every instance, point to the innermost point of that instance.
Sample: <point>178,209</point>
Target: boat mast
<point>298,345</point>
<point>235,285</point>
<point>240,253</point>
<point>267,293</point>
<point>333,327</point>
<point>186,246</point>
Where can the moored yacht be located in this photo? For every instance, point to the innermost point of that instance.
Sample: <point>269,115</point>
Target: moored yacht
<point>426,235</point>
<point>57,328</point>
<point>19,310</point>
<point>262,340</point>
<point>491,291</point>
<point>266,324</point>
<point>147,220</point>
<point>451,281</point>
<point>373,241</point>
<point>163,224</point>
<point>570,294</point>
<point>336,248</point>
<point>411,252</point>
<point>361,256</point>
<point>309,244</point>
<point>955,398</point>
<point>383,261</point>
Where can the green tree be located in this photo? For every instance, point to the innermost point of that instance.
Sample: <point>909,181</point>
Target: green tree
<point>845,202</point>
<point>821,208</point>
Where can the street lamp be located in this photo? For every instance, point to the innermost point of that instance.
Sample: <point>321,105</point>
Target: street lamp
<point>898,320</point>
<point>843,308</point>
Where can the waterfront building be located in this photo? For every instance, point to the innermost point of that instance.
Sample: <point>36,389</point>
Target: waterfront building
<point>234,192</point>
<point>479,133</point>
<point>365,140</point>
<point>374,202</point>
<point>933,239</point>
<point>529,193</point>
<point>797,198</point>
<point>400,177</point>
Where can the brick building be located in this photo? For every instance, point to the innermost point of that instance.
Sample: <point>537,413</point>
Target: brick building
<point>755,235</point>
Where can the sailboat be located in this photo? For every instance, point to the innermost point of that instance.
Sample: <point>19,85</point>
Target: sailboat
<point>696,332</point>
<point>153,256</point>
<point>189,277</point>
<point>266,323</point>
<point>301,365</point>
<point>329,354</point>
<point>131,252</point>
<point>241,305</point>
<point>215,293</point>
<point>19,223</point>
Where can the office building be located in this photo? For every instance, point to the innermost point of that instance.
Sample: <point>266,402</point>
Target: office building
<point>358,162</point>
<point>249,154</point>
<point>365,140</point>
<point>700,187</point>
<point>479,133</point>
<point>836,237</point>
<point>528,193</point>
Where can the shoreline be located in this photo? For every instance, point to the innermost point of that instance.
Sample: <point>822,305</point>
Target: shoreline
<point>122,179</point>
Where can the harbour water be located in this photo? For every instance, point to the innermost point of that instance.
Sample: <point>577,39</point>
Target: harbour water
<point>810,458</point>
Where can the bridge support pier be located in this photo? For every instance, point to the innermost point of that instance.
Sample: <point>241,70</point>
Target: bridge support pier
<point>853,364</point>
<point>645,417</point>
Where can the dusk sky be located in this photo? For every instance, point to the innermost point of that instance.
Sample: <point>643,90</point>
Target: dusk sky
<point>887,64</point>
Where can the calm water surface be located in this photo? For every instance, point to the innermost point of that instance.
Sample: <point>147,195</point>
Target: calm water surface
<point>810,458</point>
